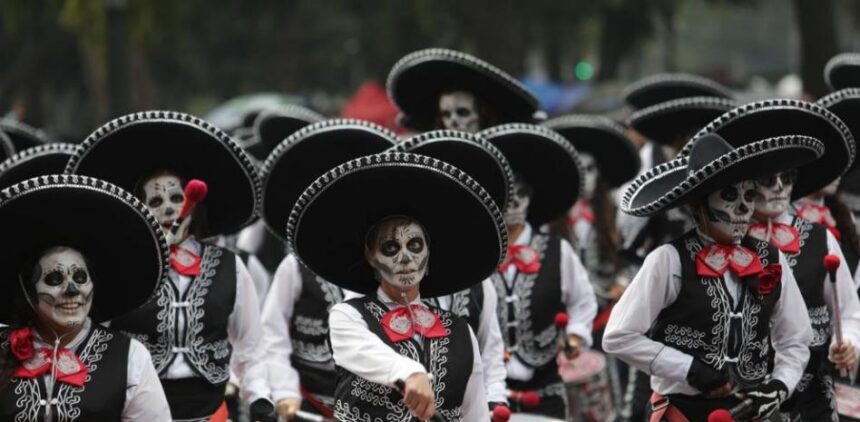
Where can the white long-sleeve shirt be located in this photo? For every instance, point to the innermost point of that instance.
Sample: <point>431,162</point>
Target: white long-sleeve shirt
<point>359,351</point>
<point>490,342</point>
<point>657,285</point>
<point>144,397</point>
<point>577,294</point>
<point>243,333</point>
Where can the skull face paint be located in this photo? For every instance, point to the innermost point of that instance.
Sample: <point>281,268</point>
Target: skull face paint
<point>774,193</point>
<point>518,207</point>
<point>163,195</point>
<point>64,289</point>
<point>589,174</point>
<point>457,111</point>
<point>730,210</point>
<point>400,255</point>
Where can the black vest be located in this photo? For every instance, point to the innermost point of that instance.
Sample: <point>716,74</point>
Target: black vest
<point>102,398</point>
<point>810,274</point>
<point>206,306</point>
<point>311,355</point>
<point>703,321</point>
<point>527,310</point>
<point>467,304</point>
<point>449,359</point>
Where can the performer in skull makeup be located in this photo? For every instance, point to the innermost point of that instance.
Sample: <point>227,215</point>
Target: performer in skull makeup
<point>205,321</point>
<point>704,310</point>
<point>417,227</point>
<point>541,275</point>
<point>488,166</point>
<point>295,314</point>
<point>438,88</point>
<point>62,277</point>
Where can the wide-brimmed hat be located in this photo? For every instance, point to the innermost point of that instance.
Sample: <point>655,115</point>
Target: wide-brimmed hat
<point>845,104</point>
<point>418,79</point>
<point>546,161</point>
<point>616,156</point>
<point>468,152</point>
<point>843,71</point>
<point>711,165</point>
<point>36,161</point>
<point>115,232</point>
<point>465,230</point>
<point>273,126</point>
<point>778,117</point>
<point>23,135</point>
<point>130,147</point>
<point>667,121</point>
<point>308,153</point>
<point>656,89</point>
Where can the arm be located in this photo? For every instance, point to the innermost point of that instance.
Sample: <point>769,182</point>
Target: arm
<point>577,295</point>
<point>474,405</point>
<point>243,331</point>
<point>260,276</point>
<point>144,397</point>
<point>492,346</point>
<point>277,312</point>
<point>849,305</point>
<point>791,331</point>
<point>359,351</point>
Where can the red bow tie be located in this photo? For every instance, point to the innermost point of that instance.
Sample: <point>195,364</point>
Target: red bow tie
<point>399,325</point>
<point>581,211</point>
<point>70,369</point>
<point>819,214</point>
<point>184,261</point>
<point>713,261</point>
<point>524,257</point>
<point>783,236</point>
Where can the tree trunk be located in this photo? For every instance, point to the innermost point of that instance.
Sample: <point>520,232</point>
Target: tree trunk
<point>816,25</point>
<point>118,57</point>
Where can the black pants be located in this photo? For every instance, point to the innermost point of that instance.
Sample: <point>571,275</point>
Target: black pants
<point>638,398</point>
<point>192,398</point>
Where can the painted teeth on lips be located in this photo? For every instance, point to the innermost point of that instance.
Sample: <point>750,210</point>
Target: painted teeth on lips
<point>70,305</point>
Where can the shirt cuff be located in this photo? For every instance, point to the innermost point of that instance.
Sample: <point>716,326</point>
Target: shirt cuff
<point>281,394</point>
<point>403,369</point>
<point>671,364</point>
<point>580,330</point>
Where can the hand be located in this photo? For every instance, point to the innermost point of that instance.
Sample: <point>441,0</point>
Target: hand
<point>287,408</point>
<point>181,233</point>
<point>575,343</point>
<point>262,410</point>
<point>616,290</point>
<point>843,355</point>
<point>706,379</point>
<point>766,397</point>
<point>724,391</point>
<point>419,397</point>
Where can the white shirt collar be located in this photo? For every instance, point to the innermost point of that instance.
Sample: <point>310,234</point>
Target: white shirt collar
<point>391,303</point>
<point>525,236</point>
<point>77,340</point>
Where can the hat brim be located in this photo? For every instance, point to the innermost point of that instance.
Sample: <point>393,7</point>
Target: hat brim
<point>845,104</point>
<point>663,87</point>
<point>22,135</point>
<point>843,71</point>
<point>273,126</point>
<point>130,147</point>
<point>546,161</point>
<point>470,153</point>
<point>666,122</point>
<point>36,161</point>
<point>308,154</point>
<point>465,231</point>
<point>617,158</point>
<point>120,239</point>
<point>418,79</point>
<point>671,185</point>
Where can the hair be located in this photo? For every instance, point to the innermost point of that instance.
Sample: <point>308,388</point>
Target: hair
<point>199,223</point>
<point>844,223</point>
<point>486,116</point>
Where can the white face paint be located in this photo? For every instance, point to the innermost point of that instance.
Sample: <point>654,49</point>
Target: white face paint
<point>831,188</point>
<point>401,255</point>
<point>730,210</point>
<point>518,207</point>
<point>458,111</point>
<point>164,197</point>
<point>774,193</point>
<point>64,289</point>
<point>589,174</point>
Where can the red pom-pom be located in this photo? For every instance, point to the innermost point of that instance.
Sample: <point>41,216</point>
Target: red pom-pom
<point>196,190</point>
<point>501,413</point>
<point>831,262</point>
<point>721,415</point>
<point>561,320</point>
<point>530,399</point>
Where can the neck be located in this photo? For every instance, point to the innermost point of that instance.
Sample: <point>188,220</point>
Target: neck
<point>514,232</point>
<point>764,218</point>
<point>50,335</point>
<point>396,293</point>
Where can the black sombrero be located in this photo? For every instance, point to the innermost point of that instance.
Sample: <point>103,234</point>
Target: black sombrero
<point>418,79</point>
<point>465,230</point>
<point>663,87</point>
<point>667,121</point>
<point>845,104</point>
<point>470,153</point>
<point>546,161</point>
<point>616,156</point>
<point>771,118</point>
<point>23,136</point>
<point>114,231</point>
<point>36,161</point>
<point>713,164</point>
<point>127,148</point>
<point>843,71</point>
<point>307,154</point>
<point>273,126</point>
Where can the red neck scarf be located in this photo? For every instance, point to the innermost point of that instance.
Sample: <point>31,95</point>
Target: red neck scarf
<point>783,236</point>
<point>399,325</point>
<point>184,261</point>
<point>524,257</point>
<point>69,368</point>
<point>820,214</point>
<point>580,212</point>
<point>713,261</point>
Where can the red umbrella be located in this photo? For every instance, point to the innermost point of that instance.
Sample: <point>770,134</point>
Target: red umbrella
<point>371,103</point>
